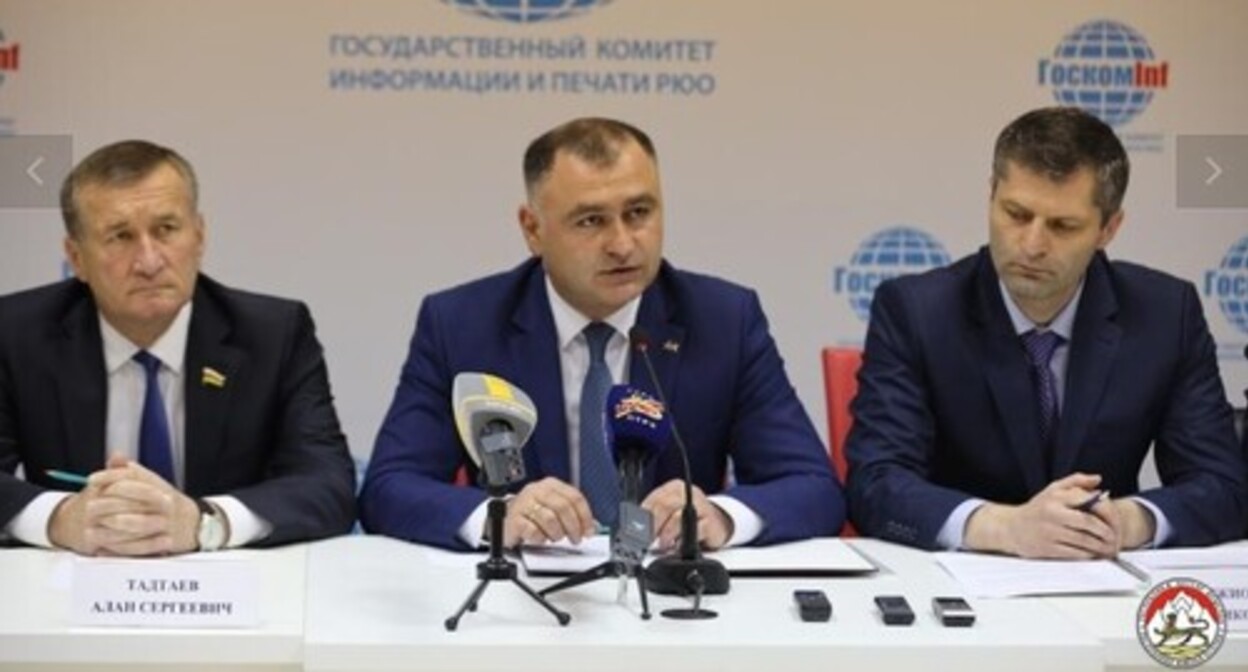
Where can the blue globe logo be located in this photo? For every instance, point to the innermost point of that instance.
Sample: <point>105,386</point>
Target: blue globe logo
<point>527,11</point>
<point>1229,283</point>
<point>1105,68</point>
<point>888,254</point>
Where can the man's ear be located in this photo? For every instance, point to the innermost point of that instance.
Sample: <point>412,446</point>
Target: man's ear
<point>530,228</point>
<point>73,254</point>
<point>1110,229</point>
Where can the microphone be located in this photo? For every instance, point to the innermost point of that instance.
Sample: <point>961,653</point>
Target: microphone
<point>637,431</point>
<point>494,420</point>
<point>687,572</point>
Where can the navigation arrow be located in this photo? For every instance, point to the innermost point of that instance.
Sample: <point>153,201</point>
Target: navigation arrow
<point>1217,171</point>
<point>31,171</point>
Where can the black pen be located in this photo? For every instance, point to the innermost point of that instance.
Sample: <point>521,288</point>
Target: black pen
<point>1092,501</point>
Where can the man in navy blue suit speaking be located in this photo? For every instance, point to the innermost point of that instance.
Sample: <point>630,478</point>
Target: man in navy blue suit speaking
<point>593,221</point>
<point>1006,402</point>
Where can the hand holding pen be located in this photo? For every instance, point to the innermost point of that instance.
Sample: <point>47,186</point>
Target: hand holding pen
<point>123,509</point>
<point>1090,503</point>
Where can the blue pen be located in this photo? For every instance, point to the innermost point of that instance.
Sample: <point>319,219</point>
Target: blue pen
<point>1092,501</point>
<point>66,476</point>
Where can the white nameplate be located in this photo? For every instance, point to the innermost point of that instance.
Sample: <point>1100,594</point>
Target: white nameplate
<point>188,592</point>
<point>1232,586</point>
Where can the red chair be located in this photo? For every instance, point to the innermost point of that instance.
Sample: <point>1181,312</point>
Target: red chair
<point>840,383</point>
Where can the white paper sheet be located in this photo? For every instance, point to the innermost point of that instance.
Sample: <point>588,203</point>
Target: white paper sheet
<point>826,556</point>
<point>999,576</point>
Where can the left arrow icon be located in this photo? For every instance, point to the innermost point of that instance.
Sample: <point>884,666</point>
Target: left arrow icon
<point>31,171</point>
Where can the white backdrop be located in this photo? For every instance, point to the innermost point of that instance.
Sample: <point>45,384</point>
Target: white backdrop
<point>819,125</point>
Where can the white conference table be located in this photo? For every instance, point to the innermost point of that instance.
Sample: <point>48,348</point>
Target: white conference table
<point>1112,621</point>
<point>36,634</point>
<point>377,604</point>
<point>371,603</point>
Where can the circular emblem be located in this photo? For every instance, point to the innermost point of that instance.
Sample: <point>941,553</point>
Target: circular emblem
<point>1181,623</point>
<point>893,252</point>
<point>1100,68</point>
<point>1230,284</point>
<point>527,11</point>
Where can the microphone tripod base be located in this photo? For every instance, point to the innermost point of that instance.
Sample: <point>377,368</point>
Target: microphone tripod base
<point>498,568</point>
<point>491,570</point>
<point>605,570</point>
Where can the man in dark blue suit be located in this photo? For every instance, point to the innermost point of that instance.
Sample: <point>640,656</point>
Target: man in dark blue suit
<point>202,414</point>
<point>594,223</point>
<point>1006,402</point>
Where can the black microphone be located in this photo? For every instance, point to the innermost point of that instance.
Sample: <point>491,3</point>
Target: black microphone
<point>686,572</point>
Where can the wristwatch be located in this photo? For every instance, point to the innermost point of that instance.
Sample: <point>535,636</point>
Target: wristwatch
<point>213,530</point>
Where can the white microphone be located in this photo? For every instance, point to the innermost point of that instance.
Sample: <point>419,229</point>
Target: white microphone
<point>494,419</point>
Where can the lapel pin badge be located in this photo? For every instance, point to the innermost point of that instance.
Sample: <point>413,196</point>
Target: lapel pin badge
<point>212,378</point>
<point>671,346</point>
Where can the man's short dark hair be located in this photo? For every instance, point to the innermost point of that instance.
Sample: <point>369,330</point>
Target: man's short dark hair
<point>118,165</point>
<point>1058,141</point>
<point>593,139</point>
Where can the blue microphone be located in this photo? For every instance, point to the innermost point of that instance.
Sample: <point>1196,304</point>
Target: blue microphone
<point>638,429</point>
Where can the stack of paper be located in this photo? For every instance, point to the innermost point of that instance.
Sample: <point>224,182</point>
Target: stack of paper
<point>1163,561</point>
<point>824,556</point>
<point>999,576</point>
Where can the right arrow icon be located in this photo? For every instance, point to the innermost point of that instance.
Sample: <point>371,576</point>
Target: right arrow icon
<point>1217,171</point>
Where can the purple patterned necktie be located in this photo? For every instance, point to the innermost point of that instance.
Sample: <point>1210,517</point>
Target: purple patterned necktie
<point>1040,347</point>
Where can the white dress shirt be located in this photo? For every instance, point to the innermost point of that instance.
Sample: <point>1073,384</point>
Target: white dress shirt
<point>127,387</point>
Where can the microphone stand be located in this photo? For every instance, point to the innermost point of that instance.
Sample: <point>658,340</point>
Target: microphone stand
<point>498,568</point>
<point>687,572</point>
<point>629,540</point>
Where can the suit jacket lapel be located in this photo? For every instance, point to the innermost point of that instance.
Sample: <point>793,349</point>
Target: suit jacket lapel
<point>207,403</point>
<point>1006,370</point>
<point>82,388</point>
<point>667,337</point>
<point>1093,346</point>
<point>533,349</point>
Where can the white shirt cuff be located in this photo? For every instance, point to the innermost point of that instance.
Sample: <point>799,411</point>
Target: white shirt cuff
<point>245,525</point>
<point>1162,530</point>
<point>746,525</point>
<point>952,535</point>
<point>30,525</point>
<point>472,532</point>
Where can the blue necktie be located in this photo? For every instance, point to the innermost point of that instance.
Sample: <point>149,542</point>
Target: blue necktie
<point>1040,347</point>
<point>155,451</point>
<point>599,480</point>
